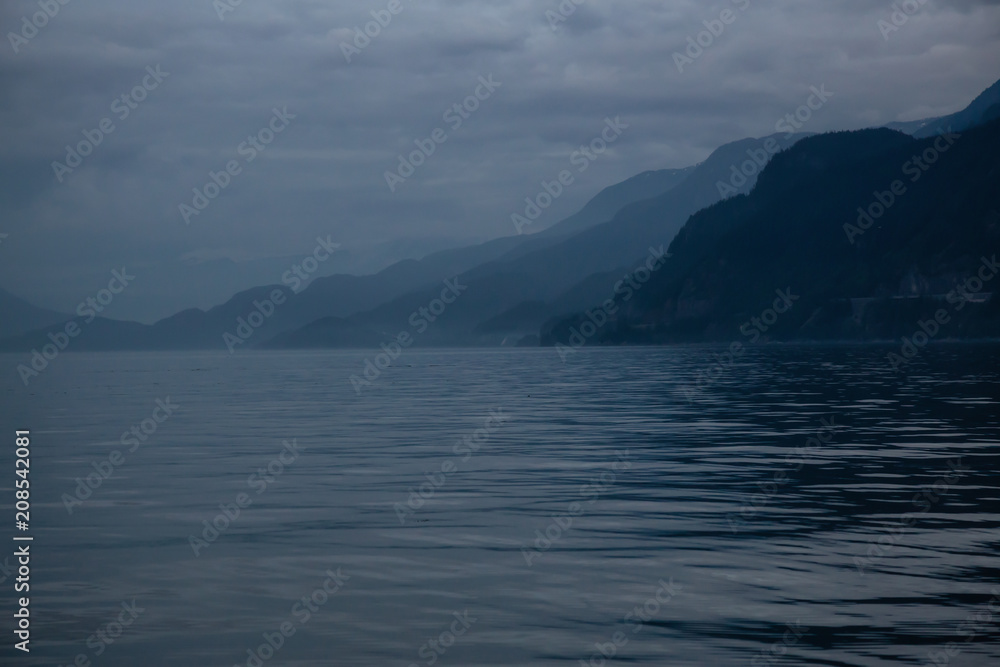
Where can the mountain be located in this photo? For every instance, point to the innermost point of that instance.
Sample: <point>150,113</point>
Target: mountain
<point>911,127</point>
<point>860,260</point>
<point>336,296</point>
<point>981,110</point>
<point>974,114</point>
<point>18,317</point>
<point>616,247</point>
<point>609,201</point>
<point>534,272</point>
<point>511,286</point>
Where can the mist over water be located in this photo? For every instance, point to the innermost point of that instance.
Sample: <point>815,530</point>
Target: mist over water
<point>809,506</point>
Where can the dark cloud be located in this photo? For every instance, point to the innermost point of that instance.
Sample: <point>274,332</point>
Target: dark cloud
<point>325,173</point>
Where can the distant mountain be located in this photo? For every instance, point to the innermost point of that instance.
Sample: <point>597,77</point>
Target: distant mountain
<point>336,296</point>
<point>720,215</point>
<point>18,317</point>
<point>801,231</point>
<point>616,247</point>
<point>976,113</point>
<point>610,200</point>
<point>546,267</point>
<point>980,111</point>
<point>911,127</point>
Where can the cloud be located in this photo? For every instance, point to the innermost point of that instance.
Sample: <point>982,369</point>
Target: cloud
<point>325,174</point>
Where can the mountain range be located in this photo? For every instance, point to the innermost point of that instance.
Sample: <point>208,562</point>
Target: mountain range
<point>718,241</point>
<point>869,235</point>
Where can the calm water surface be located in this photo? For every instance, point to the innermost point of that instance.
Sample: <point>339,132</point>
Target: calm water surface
<point>609,486</point>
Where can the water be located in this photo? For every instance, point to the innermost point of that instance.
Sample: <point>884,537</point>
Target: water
<point>758,555</point>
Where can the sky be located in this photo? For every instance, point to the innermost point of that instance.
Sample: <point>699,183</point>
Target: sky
<point>339,110</point>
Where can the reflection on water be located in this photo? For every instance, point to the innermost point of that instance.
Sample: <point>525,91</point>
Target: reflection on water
<point>804,506</point>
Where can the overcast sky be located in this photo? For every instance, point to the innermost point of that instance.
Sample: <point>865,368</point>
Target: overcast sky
<point>324,173</point>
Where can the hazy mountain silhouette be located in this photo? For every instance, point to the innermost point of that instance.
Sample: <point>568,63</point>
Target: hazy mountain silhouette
<point>976,113</point>
<point>609,201</point>
<point>535,272</point>
<point>18,317</point>
<point>979,111</point>
<point>513,285</point>
<point>332,296</point>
